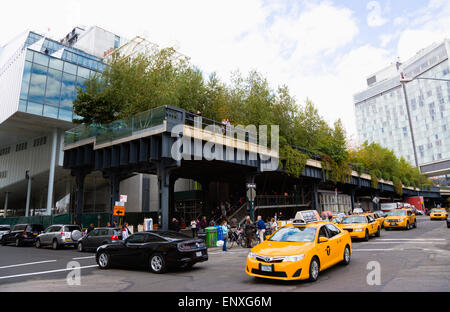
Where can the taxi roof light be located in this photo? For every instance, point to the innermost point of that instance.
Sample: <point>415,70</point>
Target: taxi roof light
<point>306,216</point>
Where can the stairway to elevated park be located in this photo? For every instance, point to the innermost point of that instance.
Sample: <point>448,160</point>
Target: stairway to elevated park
<point>173,143</point>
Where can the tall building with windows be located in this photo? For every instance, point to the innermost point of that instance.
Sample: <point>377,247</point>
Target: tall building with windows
<point>410,115</point>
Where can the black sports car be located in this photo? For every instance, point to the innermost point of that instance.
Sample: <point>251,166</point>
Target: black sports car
<point>156,250</point>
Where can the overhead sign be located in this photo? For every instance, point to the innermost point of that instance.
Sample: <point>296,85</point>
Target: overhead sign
<point>120,203</point>
<point>119,211</point>
<point>124,198</point>
<point>251,185</point>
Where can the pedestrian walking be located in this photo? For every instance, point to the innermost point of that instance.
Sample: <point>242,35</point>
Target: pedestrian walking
<point>273,225</point>
<point>261,228</point>
<point>249,230</point>
<point>224,235</point>
<point>125,232</point>
<point>194,228</point>
<point>204,223</point>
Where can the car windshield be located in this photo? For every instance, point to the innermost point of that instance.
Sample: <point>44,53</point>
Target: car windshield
<point>354,219</point>
<point>4,228</point>
<point>294,234</point>
<point>396,213</point>
<point>438,210</point>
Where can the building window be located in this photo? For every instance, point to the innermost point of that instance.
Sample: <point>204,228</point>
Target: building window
<point>5,151</point>
<point>116,42</point>
<point>21,147</point>
<point>3,174</point>
<point>40,141</point>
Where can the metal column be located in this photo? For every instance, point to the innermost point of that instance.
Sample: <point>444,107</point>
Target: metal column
<point>163,202</point>
<point>27,207</point>
<point>51,176</point>
<point>79,177</point>
<point>5,209</point>
<point>114,185</point>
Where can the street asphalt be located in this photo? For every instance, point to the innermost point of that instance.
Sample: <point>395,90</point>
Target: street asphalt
<point>415,260</point>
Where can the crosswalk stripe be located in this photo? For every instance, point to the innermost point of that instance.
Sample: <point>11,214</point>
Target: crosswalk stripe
<point>23,264</point>
<point>46,272</point>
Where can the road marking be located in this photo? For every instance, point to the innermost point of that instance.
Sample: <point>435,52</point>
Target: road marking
<point>406,242</point>
<point>23,264</point>
<point>412,239</point>
<point>46,272</point>
<point>81,258</point>
<point>387,249</point>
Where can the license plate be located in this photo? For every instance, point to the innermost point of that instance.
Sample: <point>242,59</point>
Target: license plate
<point>266,268</point>
<point>198,253</point>
<point>67,239</point>
<point>393,223</point>
<point>35,233</point>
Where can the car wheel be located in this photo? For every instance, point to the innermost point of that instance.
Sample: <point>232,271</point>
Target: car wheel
<point>3,242</point>
<point>157,263</point>
<point>80,247</point>
<point>366,238</point>
<point>38,243</point>
<point>314,269</point>
<point>347,255</point>
<point>104,261</point>
<point>378,233</point>
<point>415,224</point>
<point>17,243</point>
<point>407,226</point>
<point>55,244</point>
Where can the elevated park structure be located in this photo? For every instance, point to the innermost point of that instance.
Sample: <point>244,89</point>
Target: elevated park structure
<point>146,142</point>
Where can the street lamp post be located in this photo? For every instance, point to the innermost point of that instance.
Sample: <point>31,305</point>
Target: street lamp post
<point>410,123</point>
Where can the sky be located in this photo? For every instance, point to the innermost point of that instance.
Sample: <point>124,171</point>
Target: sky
<point>321,49</point>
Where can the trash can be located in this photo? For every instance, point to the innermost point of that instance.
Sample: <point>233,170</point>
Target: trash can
<point>219,232</point>
<point>211,236</point>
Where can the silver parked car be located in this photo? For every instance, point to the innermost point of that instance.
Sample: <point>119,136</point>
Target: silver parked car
<point>4,229</point>
<point>59,235</point>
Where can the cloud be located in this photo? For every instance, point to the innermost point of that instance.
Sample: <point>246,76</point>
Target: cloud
<point>374,18</point>
<point>427,25</point>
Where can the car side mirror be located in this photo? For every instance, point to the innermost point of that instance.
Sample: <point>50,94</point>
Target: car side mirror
<point>267,237</point>
<point>323,239</point>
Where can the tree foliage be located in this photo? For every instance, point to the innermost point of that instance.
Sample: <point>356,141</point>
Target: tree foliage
<point>383,164</point>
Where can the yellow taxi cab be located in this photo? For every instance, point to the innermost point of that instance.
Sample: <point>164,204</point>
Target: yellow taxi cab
<point>300,250</point>
<point>438,214</point>
<point>400,218</point>
<point>379,216</point>
<point>361,226</point>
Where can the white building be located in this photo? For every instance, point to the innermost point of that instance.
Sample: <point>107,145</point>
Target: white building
<point>38,80</point>
<point>419,131</point>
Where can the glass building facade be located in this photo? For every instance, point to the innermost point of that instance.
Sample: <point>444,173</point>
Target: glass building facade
<point>382,117</point>
<point>49,82</point>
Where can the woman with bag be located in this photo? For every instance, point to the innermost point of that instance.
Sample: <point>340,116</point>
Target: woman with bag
<point>224,234</point>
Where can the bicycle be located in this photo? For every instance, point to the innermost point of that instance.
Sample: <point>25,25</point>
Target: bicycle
<point>236,237</point>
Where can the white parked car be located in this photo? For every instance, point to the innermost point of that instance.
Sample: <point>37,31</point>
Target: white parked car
<point>4,229</point>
